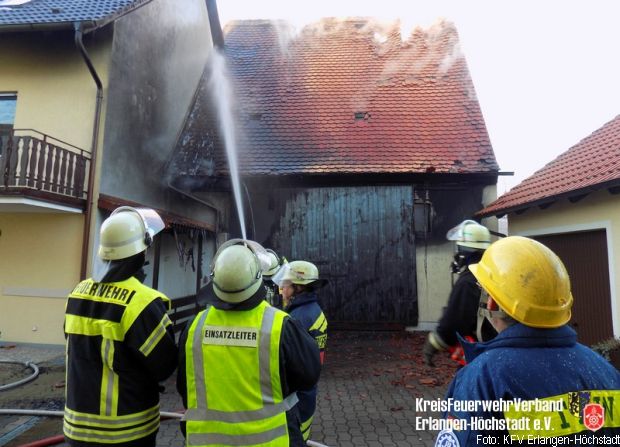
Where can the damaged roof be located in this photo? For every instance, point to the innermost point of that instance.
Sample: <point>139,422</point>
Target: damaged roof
<point>346,96</point>
<point>25,15</point>
<point>590,165</point>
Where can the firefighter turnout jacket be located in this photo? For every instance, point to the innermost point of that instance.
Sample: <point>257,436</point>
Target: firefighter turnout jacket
<point>120,344</point>
<point>527,385</point>
<point>239,368</point>
<point>305,309</point>
<point>460,315</point>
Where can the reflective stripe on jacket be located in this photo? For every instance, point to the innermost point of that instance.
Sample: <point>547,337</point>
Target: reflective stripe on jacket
<point>563,414</point>
<point>305,309</point>
<point>234,392</point>
<point>112,329</point>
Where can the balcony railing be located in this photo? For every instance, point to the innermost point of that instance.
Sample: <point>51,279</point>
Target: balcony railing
<point>31,161</point>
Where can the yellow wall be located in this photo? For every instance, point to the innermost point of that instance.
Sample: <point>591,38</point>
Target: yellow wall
<point>40,254</point>
<point>39,264</point>
<point>597,211</point>
<point>55,92</point>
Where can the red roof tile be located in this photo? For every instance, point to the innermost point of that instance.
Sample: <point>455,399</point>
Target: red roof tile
<point>348,96</point>
<point>593,163</point>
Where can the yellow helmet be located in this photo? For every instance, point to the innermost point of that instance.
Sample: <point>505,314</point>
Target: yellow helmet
<point>527,280</point>
<point>127,232</point>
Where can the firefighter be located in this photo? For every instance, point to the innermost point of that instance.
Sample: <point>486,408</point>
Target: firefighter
<point>299,281</point>
<point>273,296</point>
<point>120,342</point>
<point>562,387</point>
<point>460,316</point>
<point>241,361</point>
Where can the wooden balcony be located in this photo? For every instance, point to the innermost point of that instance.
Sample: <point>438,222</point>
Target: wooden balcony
<point>40,167</point>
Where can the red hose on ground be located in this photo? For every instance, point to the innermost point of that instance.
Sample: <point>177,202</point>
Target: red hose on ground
<point>52,440</point>
<point>58,439</point>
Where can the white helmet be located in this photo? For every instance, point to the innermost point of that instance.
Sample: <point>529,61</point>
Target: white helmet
<point>127,232</point>
<point>237,270</point>
<point>300,272</point>
<point>274,264</point>
<point>470,233</point>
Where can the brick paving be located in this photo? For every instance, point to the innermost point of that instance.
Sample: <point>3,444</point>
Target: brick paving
<point>368,389</point>
<point>367,395</point>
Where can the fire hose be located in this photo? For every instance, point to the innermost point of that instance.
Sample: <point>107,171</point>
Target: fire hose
<point>53,440</point>
<point>35,373</point>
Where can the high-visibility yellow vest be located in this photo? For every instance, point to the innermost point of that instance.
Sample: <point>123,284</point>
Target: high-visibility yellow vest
<point>103,313</point>
<point>234,393</point>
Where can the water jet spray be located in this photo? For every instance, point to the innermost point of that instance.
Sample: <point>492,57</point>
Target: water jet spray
<point>222,95</point>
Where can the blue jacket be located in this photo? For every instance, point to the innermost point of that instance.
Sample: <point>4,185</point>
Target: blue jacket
<point>306,310</point>
<point>528,364</point>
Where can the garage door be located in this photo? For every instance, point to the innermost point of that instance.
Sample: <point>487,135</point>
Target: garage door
<point>585,256</point>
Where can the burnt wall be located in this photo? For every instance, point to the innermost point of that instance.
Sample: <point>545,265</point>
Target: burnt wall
<point>450,205</point>
<point>159,53</point>
<point>362,238</point>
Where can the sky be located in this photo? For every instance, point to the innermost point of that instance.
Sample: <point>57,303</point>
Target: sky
<point>546,72</point>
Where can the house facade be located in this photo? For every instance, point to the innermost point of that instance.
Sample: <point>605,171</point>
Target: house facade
<point>93,95</point>
<point>571,205</point>
<point>358,149</point>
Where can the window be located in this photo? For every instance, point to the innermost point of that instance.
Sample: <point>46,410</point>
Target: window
<point>7,117</point>
<point>361,116</point>
<point>422,218</point>
<point>8,101</point>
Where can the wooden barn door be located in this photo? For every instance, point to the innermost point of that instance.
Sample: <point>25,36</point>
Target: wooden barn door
<point>362,240</point>
<point>585,256</point>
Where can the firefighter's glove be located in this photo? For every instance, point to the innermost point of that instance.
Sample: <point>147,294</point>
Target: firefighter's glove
<point>428,351</point>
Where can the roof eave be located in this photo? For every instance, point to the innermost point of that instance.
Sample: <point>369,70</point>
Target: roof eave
<point>87,25</point>
<point>220,181</point>
<point>353,178</point>
<point>109,203</point>
<point>576,194</point>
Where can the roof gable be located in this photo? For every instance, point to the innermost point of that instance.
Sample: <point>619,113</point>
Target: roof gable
<point>593,163</point>
<point>346,97</point>
<point>351,96</point>
<point>57,14</point>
